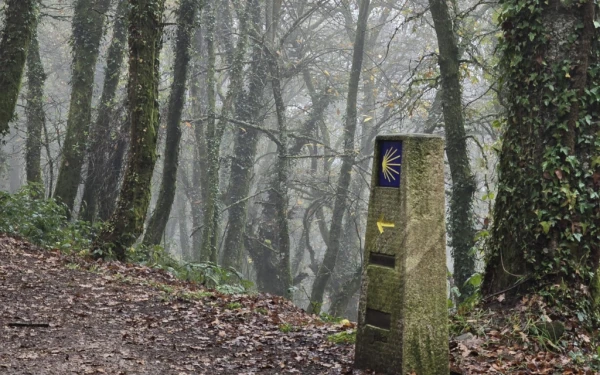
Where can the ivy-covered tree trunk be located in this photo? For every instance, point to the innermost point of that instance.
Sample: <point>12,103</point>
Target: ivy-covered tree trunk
<point>88,23</point>
<point>461,230</point>
<point>281,180</point>
<point>185,26</point>
<point>145,29</point>
<point>242,161</point>
<point>20,22</point>
<point>214,133</point>
<point>35,112</point>
<point>335,231</point>
<point>208,249</point>
<point>546,219</point>
<point>97,156</point>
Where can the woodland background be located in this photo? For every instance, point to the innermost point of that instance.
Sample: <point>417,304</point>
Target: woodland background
<point>254,137</point>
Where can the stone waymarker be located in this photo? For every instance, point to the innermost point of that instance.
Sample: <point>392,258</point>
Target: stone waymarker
<point>403,316</point>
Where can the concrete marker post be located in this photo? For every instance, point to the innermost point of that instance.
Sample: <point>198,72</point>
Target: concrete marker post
<point>403,314</point>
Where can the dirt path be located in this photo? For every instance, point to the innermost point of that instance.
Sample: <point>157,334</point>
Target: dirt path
<point>110,318</point>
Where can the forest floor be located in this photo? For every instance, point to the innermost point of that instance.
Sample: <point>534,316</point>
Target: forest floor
<point>63,314</point>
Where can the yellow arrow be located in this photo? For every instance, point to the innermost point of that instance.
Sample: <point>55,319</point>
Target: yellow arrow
<point>383,224</point>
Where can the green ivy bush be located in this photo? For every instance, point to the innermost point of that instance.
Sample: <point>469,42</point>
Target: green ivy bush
<point>43,221</point>
<point>224,280</point>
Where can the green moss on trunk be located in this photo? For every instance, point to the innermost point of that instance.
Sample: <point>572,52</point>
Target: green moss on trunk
<point>185,21</point>
<point>19,25</point>
<point>35,112</point>
<point>242,162</point>
<point>97,156</point>
<point>88,23</point>
<point>145,30</point>
<point>461,229</point>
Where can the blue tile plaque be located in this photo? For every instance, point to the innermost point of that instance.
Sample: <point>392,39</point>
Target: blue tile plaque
<point>390,163</point>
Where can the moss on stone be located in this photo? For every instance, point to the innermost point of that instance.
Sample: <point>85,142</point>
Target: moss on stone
<point>413,292</point>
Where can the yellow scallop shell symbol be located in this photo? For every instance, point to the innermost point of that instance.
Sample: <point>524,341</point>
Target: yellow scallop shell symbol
<point>388,165</point>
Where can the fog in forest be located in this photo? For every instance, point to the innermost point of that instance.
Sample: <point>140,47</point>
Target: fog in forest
<point>264,138</point>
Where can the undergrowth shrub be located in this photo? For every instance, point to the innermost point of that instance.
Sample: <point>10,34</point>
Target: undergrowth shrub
<point>224,280</point>
<point>43,221</point>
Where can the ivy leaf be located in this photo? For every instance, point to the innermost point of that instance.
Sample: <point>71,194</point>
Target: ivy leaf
<point>545,226</point>
<point>596,24</point>
<point>474,280</point>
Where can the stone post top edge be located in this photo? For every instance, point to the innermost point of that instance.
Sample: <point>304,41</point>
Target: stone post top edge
<point>400,136</point>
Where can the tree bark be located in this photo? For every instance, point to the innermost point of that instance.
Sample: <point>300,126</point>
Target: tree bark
<point>109,191</point>
<point>97,156</point>
<point>461,229</point>
<point>157,223</point>
<point>88,23</point>
<point>214,135</point>
<point>324,273</point>
<point>242,162</point>
<point>19,26</point>
<point>184,234</point>
<point>35,113</point>
<point>145,30</point>
<point>197,190</point>
<point>281,181</point>
<point>546,222</point>
<point>208,249</point>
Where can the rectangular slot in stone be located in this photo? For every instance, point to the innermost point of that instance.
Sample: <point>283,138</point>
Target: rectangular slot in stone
<point>382,260</point>
<point>378,319</point>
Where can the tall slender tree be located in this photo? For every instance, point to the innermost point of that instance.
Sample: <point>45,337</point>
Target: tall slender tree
<point>97,156</point>
<point>242,162</point>
<point>461,228</point>
<point>36,78</point>
<point>335,231</point>
<point>208,246</point>
<point>88,24</point>
<point>19,26</point>
<point>199,102</point>
<point>185,26</point>
<point>214,135</point>
<point>145,30</point>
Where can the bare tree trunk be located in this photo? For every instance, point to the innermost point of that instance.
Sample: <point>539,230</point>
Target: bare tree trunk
<point>126,224</point>
<point>109,191</point>
<point>184,234</point>
<point>97,157</point>
<point>166,196</point>
<point>35,112</point>
<point>324,273</point>
<point>19,25</point>
<point>242,163</point>
<point>88,23</point>
<point>197,190</point>
<point>281,181</point>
